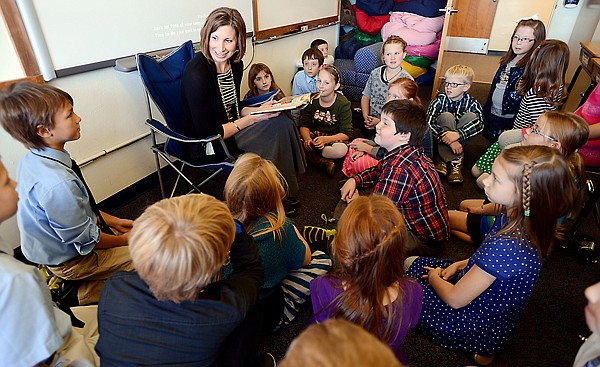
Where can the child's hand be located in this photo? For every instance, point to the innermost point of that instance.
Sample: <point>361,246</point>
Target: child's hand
<point>371,122</point>
<point>361,146</point>
<point>348,191</point>
<point>123,225</point>
<point>308,143</point>
<point>432,272</point>
<point>320,142</point>
<point>456,147</point>
<point>352,196</point>
<point>450,271</point>
<point>355,155</point>
<point>449,137</point>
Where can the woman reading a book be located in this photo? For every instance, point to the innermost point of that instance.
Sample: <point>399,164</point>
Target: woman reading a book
<point>210,93</point>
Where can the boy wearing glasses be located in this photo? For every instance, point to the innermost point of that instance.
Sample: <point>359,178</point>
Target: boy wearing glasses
<point>454,118</point>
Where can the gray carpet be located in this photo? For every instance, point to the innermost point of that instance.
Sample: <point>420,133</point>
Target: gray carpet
<point>547,334</point>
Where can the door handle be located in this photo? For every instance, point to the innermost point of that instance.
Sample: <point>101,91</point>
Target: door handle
<point>449,10</point>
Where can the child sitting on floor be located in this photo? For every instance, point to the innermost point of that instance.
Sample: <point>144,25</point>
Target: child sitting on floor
<point>59,221</point>
<point>322,45</point>
<point>326,123</point>
<point>175,309</point>
<point>261,81</point>
<point>406,176</point>
<point>455,117</point>
<point>484,295</point>
<point>254,193</point>
<point>368,286</point>
<point>35,332</point>
<point>563,131</point>
<point>393,51</point>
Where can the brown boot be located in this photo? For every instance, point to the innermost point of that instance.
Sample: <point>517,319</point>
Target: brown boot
<point>329,166</point>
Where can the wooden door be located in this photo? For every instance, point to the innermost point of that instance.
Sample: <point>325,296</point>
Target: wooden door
<point>467,28</point>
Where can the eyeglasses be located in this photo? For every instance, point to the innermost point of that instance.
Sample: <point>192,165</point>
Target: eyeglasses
<point>453,85</point>
<point>523,39</point>
<point>534,130</point>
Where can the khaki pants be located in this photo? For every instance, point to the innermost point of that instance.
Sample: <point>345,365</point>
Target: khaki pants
<point>93,269</point>
<point>78,347</point>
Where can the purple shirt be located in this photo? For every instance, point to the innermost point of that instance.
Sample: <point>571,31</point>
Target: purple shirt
<point>324,289</point>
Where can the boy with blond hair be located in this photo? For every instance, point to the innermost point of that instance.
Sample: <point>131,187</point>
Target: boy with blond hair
<point>175,309</point>
<point>59,220</point>
<point>455,117</point>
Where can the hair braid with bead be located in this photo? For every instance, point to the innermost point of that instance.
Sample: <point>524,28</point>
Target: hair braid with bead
<point>526,196</point>
<point>369,249</point>
<point>539,173</point>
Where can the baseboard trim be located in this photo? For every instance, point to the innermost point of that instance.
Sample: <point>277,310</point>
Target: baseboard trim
<point>123,197</point>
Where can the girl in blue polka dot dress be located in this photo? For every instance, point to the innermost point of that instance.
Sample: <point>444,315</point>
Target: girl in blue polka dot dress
<point>472,306</point>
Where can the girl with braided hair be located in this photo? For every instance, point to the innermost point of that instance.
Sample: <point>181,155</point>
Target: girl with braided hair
<point>367,285</point>
<point>564,131</point>
<point>473,305</point>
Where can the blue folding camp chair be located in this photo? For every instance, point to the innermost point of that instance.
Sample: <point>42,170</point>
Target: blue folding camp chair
<point>162,79</point>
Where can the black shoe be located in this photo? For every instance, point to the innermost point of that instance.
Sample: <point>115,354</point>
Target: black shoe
<point>291,202</point>
<point>291,213</point>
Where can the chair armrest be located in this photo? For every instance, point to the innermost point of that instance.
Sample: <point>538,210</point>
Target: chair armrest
<point>162,129</point>
<point>368,58</point>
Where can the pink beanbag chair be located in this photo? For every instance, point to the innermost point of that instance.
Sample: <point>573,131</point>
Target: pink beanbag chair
<point>416,30</point>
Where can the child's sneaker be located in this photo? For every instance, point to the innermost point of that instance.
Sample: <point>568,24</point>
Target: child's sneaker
<point>326,232</point>
<point>441,168</point>
<point>456,171</point>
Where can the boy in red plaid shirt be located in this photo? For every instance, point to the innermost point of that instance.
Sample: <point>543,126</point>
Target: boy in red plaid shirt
<point>406,176</point>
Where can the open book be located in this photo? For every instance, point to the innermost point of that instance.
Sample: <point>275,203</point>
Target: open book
<point>288,103</point>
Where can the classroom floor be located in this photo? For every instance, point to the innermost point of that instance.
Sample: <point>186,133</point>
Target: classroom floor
<point>549,328</point>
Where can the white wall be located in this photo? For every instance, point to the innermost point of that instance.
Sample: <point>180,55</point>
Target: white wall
<point>112,103</point>
<point>574,25</point>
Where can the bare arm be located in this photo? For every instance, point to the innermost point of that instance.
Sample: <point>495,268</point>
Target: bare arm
<point>110,241</point>
<point>594,131</point>
<point>307,253</point>
<point>120,224</point>
<point>469,287</point>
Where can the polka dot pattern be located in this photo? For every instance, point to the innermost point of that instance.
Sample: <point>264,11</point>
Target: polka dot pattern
<point>484,325</point>
<point>485,162</point>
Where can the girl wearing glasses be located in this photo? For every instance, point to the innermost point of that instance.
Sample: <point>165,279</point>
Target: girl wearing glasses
<point>502,103</point>
<point>563,131</point>
<point>541,86</point>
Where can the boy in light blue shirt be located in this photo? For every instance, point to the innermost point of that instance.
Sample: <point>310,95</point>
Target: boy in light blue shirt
<point>59,221</point>
<point>34,331</point>
<point>305,81</point>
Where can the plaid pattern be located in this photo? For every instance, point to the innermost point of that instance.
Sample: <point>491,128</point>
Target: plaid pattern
<point>408,178</point>
<point>442,103</point>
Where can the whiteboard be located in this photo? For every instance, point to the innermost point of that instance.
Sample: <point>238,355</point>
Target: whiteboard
<point>67,34</point>
<point>278,13</point>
